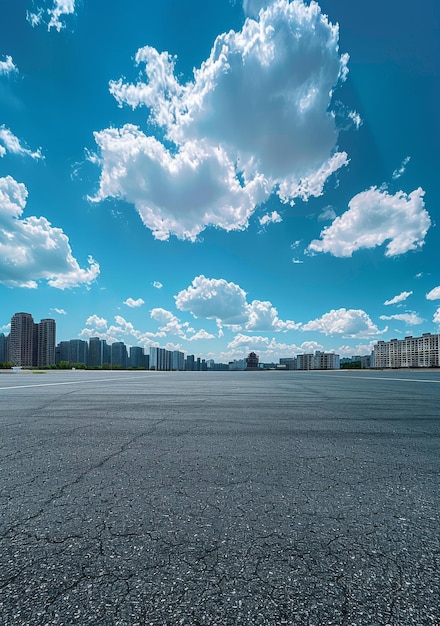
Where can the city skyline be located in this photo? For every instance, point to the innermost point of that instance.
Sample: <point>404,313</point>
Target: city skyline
<point>221,178</point>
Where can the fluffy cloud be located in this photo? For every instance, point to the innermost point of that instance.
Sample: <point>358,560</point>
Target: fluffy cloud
<point>10,143</point>
<point>434,294</point>
<point>213,298</point>
<point>7,66</point>
<point>270,218</point>
<point>276,75</point>
<point>347,322</point>
<point>31,249</point>
<point>181,193</point>
<point>400,298</point>
<point>157,284</point>
<point>264,316</point>
<point>52,16</point>
<point>134,303</point>
<point>375,216</point>
<point>411,318</point>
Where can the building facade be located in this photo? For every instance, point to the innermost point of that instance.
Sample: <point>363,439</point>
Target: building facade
<point>408,352</point>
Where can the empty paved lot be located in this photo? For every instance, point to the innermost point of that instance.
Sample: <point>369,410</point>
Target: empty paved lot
<point>221,499</point>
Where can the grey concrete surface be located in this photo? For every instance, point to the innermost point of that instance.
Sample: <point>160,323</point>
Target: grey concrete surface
<point>226,499</point>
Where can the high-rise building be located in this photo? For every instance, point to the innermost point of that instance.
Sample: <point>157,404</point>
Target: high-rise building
<point>190,364</point>
<point>160,359</point>
<point>99,352</point>
<point>45,334</point>
<point>119,357</point>
<point>137,357</point>
<point>178,360</point>
<point>21,339</point>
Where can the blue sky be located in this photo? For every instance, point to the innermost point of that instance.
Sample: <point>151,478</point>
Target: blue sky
<point>224,176</point>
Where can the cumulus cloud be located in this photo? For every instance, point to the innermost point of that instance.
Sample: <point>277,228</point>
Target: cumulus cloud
<point>402,169</point>
<point>134,303</point>
<point>157,284</point>
<point>434,294</point>
<point>53,16</point>
<point>270,218</point>
<point>31,249</point>
<point>10,143</point>
<point>411,318</point>
<point>400,298</point>
<point>374,217</point>
<point>254,120</point>
<point>213,298</point>
<point>264,316</point>
<point>347,322</point>
<point>201,334</point>
<point>226,302</point>
<point>7,66</point>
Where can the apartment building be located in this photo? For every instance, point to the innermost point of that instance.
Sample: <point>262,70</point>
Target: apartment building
<point>408,352</point>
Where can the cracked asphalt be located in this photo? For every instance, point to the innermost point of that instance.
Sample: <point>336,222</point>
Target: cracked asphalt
<point>226,499</point>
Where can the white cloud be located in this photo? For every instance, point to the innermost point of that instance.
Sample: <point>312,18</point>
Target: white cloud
<point>52,16</point>
<point>7,66</point>
<point>10,143</point>
<point>436,318</point>
<point>374,217</point>
<point>171,325</point>
<point>434,294</point>
<point>201,334</point>
<point>134,303</point>
<point>402,169</point>
<point>31,249</point>
<point>270,218</point>
<point>355,118</point>
<point>157,284</point>
<point>400,298</point>
<point>411,318</point>
<point>264,316</point>
<point>59,311</point>
<point>213,298</point>
<point>276,75</point>
<point>347,322</point>
<point>296,261</point>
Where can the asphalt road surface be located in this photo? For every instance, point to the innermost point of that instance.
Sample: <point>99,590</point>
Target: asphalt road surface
<point>220,499</point>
